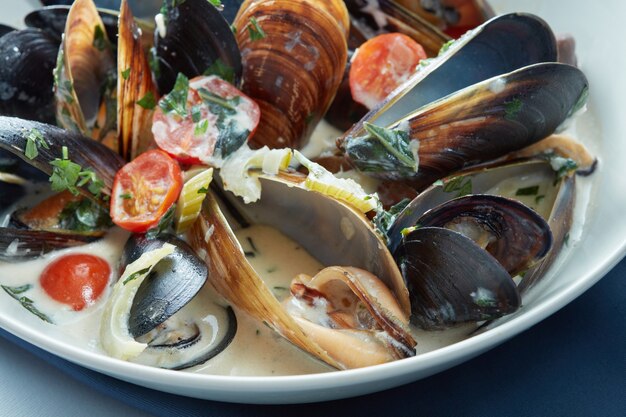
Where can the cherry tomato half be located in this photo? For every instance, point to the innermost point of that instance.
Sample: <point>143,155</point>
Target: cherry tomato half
<point>382,64</point>
<point>77,280</point>
<point>218,116</point>
<point>144,190</point>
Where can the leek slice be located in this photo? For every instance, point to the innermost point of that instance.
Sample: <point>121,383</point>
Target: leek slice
<point>114,334</point>
<point>190,200</point>
<point>344,189</point>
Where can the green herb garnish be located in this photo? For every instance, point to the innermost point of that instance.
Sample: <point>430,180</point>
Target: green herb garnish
<point>126,73</point>
<point>136,275</point>
<point>528,190</point>
<point>396,142</point>
<point>68,175</point>
<point>126,196</point>
<point>27,303</point>
<point>196,114</point>
<point>255,31</point>
<point>385,218</point>
<point>164,224</point>
<point>220,69</point>
<point>512,108</point>
<point>539,198</point>
<point>84,216</point>
<point>461,185</point>
<point>99,39</point>
<point>176,101</point>
<point>203,190</point>
<point>201,128</point>
<point>148,101</point>
<point>34,140</point>
<point>216,3</point>
<point>211,98</point>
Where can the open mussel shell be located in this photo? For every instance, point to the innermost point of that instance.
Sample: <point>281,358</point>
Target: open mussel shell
<point>452,280</point>
<point>512,233</point>
<point>134,82</point>
<point>52,20</point>
<point>479,123</point>
<point>83,151</point>
<point>534,183</point>
<point>332,232</point>
<point>171,285</point>
<point>387,16</point>
<point>294,68</point>
<point>196,37</point>
<point>560,219</point>
<point>501,45</point>
<point>18,245</point>
<point>85,66</point>
<point>28,59</point>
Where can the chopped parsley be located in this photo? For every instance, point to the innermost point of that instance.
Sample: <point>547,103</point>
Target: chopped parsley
<point>148,101</point>
<point>231,136</point>
<point>201,128</point>
<point>27,303</point>
<point>539,198</point>
<point>176,101</point>
<point>164,224</point>
<point>84,216</point>
<point>534,190</point>
<point>126,73</point>
<point>211,98</point>
<point>68,175</point>
<point>216,3</point>
<point>136,275</point>
<point>385,218</point>
<point>444,48</point>
<point>100,41</point>
<point>255,31</point>
<point>203,190</point>
<point>512,108</point>
<point>126,196</point>
<point>397,142</point>
<point>461,185</point>
<point>220,69</point>
<point>196,114</point>
<point>34,140</point>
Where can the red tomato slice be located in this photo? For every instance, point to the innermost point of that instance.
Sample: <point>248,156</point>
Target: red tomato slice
<point>77,280</point>
<point>381,64</point>
<point>144,190</point>
<point>193,139</point>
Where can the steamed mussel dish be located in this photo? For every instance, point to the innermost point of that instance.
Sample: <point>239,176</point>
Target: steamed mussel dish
<point>175,190</point>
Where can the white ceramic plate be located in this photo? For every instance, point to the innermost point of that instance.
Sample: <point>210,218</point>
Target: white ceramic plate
<point>601,238</point>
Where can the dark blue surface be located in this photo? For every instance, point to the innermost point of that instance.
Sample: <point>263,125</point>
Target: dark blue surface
<point>571,364</point>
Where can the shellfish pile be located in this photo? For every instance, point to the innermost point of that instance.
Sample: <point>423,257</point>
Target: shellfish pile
<point>471,117</point>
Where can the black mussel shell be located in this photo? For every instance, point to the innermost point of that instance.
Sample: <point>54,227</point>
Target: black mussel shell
<point>197,35</point>
<point>518,236</point>
<point>4,29</point>
<point>451,280</point>
<point>28,59</point>
<point>52,21</point>
<point>172,283</point>
<point>142,8</point>
<point>84,151</point>
<point>17,245</point>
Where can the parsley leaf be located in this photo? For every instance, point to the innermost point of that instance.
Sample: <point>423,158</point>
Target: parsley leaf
<point>220,69</point>
<point>534,190</point>
<point>136,275</point>
<point>396,142</point>
<point>164,224</point>
<point>201,128</point>
<point>148,101</point>
<point>176,101</point>
<point>27,303</point>
<point>512,108</point>
<point>34,140</point>
<point>385,218</point>
<point>461,185</point>
<point>99,39</point>
<point>84,216</point>
<point>68,175</point>
<point>255,31</point>
<point>126,73</point>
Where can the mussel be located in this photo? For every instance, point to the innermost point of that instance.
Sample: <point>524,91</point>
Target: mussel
<point>29,240</point>
<point>179,326</point>
<point>28,58</point>
<point>454,129</point>
<point>193,38</point>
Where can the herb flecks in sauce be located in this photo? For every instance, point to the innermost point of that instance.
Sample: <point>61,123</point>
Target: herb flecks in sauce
<point>27,303</point>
